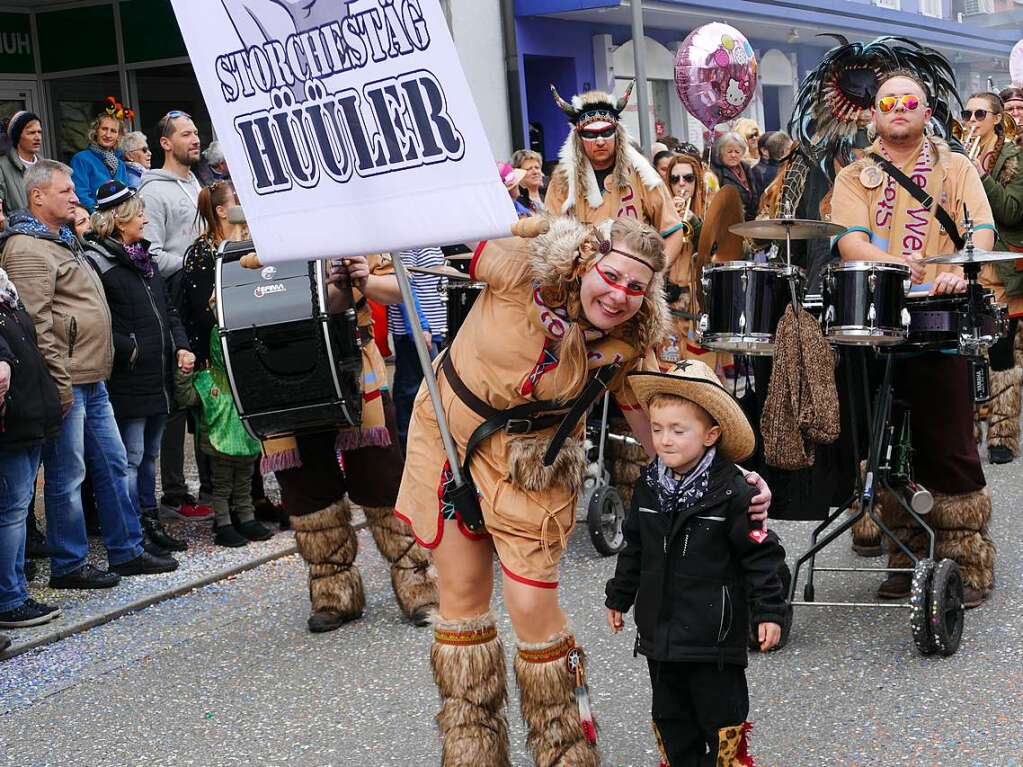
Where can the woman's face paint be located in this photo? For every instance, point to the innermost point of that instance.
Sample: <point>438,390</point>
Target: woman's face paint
<point>612,291</point>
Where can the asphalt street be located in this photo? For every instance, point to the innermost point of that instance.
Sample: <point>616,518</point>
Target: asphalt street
<point>228,675</point>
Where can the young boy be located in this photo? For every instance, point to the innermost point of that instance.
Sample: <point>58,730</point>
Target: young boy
<point>691,563</point>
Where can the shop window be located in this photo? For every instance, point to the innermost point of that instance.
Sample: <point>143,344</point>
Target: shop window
<point>77,38</point>
<point>76,102</point>
<point>16,44</point>
<point>162,89</point>
<point>150,31</point>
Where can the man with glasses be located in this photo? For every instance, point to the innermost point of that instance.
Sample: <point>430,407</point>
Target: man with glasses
<point>884,221</point>
<point>171,195</point>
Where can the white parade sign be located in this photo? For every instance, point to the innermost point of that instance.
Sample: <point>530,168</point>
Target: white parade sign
<point>348,126</point>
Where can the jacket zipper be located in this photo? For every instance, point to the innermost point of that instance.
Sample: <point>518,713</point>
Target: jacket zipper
<point>163,341</point>
<point>685,544</point>
<point>726,603</point>
<point>72,336</point>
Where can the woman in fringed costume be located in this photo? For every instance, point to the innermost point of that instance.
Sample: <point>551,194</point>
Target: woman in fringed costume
<point>579,307</point>
<point>998,162</point>
<point>318,487</point>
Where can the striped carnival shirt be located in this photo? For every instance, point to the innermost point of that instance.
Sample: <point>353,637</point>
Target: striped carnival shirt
<point>427,291</point>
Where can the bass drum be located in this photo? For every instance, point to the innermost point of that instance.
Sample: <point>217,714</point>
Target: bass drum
<point>460,297</point>
<point>293,367</point>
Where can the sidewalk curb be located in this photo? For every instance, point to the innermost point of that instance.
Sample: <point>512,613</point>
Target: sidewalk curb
<point>63,632</point>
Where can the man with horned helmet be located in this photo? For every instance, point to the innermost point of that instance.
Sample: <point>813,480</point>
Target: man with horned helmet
<point>601,176</point>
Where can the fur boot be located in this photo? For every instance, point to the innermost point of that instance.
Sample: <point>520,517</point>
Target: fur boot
<point>960,524</point>
<point>733,748</point>
<point>1003,418</point>
<point>625,462</point>
<point>411,571</point>
<point>468,668</point>
<point>547,685</point>
<point>327,542</point>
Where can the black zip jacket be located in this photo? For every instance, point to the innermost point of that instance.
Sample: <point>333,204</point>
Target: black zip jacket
<point>690,571</point>
<point>30,411</point>
<point>147,332</point>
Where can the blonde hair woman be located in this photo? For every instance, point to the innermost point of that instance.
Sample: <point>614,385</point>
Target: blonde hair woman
<point>99,162</point>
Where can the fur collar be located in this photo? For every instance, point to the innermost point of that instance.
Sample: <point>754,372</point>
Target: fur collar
<point>579,174</point>
<point>555,264</point>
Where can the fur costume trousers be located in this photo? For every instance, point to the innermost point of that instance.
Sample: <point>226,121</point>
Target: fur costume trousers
<point>1004,409</point>
<point>960,524</point>
<point>327,542</point>
<point>411,572</point>
<point>468,668</point>
<point>550,709</point>
<point>625,462</point>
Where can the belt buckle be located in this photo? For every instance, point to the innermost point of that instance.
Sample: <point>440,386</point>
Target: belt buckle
<point>519,426</point>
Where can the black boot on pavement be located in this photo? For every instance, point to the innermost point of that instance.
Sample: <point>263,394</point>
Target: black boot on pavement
<point>254,531</point>
<point>35,541</point>
<point>31,613</point>
<point>85,577</point>
<point>146,564</point>
<point>31,570</point>
<point>226,535</point>
<point>158,534</point>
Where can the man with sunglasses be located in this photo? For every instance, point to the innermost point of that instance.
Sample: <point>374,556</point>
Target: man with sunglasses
<point>602,176</point>
<point>171,195</point>
<point>884,221</point>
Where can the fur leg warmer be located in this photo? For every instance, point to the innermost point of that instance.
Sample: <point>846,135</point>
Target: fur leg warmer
<point>547,687</point>
<point>733,748</point>
<point>327,542</point>
<point>960,524</point>
<point>625,462</point>
<point>411,572</point>
<point>468,668</point>
<point>865,532</point>
<point>1003,418</point>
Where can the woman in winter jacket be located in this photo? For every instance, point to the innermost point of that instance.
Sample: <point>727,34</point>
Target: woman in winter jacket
<point>99,162</point>
<point>732,170</point>
<point>149,341</point>
<point>29,415</point>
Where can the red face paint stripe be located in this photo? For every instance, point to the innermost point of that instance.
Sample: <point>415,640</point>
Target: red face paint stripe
<point>615,285</point>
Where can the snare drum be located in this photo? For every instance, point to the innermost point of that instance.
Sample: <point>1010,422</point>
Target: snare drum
<point>460,297</point>
<point>743,302</point>
<point>865,303</point>
<point>941,322</point>
<point>293,367</point>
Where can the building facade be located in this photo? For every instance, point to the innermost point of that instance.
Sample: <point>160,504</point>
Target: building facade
<point>583,44</point>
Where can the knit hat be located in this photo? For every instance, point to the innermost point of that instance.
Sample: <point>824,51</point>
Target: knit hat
<point>112,193</point>
<point>695,381</point>
<point>18,122</point>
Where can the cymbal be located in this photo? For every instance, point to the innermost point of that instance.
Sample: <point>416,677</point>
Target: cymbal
<point>975,256</point>
<point>797,228</point>
<point>452,274</point>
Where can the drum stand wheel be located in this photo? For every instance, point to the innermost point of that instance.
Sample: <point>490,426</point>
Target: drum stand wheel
<point>946,610</point>
<point>919,606</point>
<point>605,516</point>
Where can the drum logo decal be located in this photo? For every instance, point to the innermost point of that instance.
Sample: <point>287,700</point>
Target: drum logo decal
<point>266,290</point>
<point>268,272</point>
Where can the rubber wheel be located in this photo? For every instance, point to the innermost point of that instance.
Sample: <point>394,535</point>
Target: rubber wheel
<point>919,606</point>
<point>946,612</point>
<point>605,517</point>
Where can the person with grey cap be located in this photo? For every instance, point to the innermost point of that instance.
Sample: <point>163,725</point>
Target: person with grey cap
<point>25,131</point>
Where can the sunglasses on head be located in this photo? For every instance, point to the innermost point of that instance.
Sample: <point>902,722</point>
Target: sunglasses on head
<point>592,135</point>
<point>687,177</point>
<point>174,114</point>
<point>887,103</point>
<point>980,114</point>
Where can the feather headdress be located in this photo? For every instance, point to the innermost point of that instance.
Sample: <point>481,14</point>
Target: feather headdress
<point>840,91</point>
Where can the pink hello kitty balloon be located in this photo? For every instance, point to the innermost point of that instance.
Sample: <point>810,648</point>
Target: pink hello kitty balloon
<point>715,73</point>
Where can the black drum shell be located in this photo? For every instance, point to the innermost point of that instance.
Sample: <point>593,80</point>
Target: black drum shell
<point>850,290</point>
<point>293,368</point>
<point>743,302</point>
<point>460,297</point>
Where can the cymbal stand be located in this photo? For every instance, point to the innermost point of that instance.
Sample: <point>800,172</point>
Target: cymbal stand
<point>877,475</point>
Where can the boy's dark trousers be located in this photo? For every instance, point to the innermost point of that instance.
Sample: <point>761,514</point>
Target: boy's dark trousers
<point>691,702</point>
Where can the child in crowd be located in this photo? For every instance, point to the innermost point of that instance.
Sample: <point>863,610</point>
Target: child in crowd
<point>691,564</point>
<point>232,452</point>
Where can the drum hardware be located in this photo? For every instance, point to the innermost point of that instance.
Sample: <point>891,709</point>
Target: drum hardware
<point>439,271</point>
